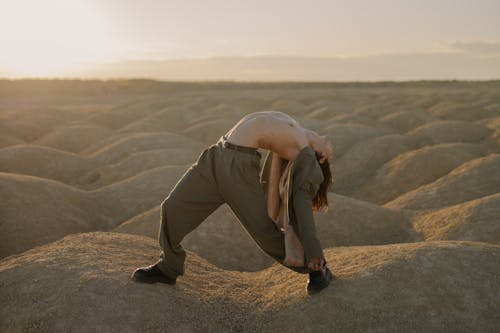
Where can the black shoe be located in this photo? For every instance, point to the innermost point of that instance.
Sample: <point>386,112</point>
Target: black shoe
<point>319,280</point>
<point>151,274</point>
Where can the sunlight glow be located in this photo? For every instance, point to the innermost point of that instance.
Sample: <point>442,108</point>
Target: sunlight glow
<point>53,37</point>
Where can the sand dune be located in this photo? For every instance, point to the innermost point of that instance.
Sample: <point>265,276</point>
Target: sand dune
<point>121,144</point>
<point>123,114</point>
<point>146,224</point>
<point>21,130</point>
<point>375,109</point>
<point>135,164</point>
<point>475,220</point>
<point>345,136</point>
<point>354,222</point>
<point>8,140</point>
<point>169,119</point>
<point>209,131</point>
<point>406,287</point>
<point>89,172</point>
<point>32,123</point>
<point>248,102</point>
<point>36,211</point>
<point>359,120</point>
<point>43,162</point>
<point>289,105</point>
<point>134,195</point>
<point>464,183</point>
<point>492,122</point>
<point>462,111</point>
<point>393,288</point>
<point>358,164</point>
<point>28,125</point>
<point>496,139</point>
<point>326,112</point>
<point>416,191</point>
<point>407,120</point>
<point>73,138</point>
<point>412,169</point>
<point>451,131</point>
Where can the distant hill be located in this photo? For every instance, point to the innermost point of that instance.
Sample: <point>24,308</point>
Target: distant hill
<point>298,68</point>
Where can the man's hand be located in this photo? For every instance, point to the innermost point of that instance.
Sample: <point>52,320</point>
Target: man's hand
<point>316,264</point>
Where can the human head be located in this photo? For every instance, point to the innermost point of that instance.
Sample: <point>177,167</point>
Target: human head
<point>320,200</point>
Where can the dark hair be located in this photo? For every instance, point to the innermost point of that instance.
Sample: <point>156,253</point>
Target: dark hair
<point>320,200</point>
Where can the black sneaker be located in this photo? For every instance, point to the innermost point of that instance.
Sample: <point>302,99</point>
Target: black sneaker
<point>318,280</point>
<point>151,274</point>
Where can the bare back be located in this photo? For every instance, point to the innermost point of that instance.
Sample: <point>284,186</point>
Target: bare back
<point>272,130</point>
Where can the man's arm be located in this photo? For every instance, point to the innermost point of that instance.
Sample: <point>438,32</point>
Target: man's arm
<point>306,229</point>
<point>273,196</point>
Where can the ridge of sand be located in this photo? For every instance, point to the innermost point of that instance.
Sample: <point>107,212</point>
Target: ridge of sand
<point>73,138</point>
<point>323,111</point>
<point>474,220</point>
<point>35,211</point>
<point>345,136</point>
<point>464,183</point>
<point>33,123</point>
<point>360,120</point>
<point>44,162</point>
<point>124,114</point>
<point>81,283</point>
<point>22,130</point>
<point>208,131</point>
<point>141,192</point>
<point>492,122</point>
<point>360,162</point>
<point>415,168</point>
<point>458,110</point>
<point>89,172</point>
<point>38,210</point>
<point>444,131</point>
<point>407,120</point>
<point>349,221</point>
<point>375,109</point>
<point>288,104</point>
<point>136,163</point>
<point>169,119</point>
<point>115,147</point>
<point>9,140</point>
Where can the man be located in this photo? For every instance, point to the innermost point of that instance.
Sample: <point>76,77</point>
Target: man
<point>229,172</point>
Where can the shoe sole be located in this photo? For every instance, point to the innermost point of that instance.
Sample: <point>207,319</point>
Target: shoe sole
<point>164,280</point>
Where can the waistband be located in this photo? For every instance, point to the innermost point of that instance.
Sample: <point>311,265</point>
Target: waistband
<point>243,149</point>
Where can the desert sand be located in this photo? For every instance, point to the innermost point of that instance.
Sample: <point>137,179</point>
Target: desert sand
<point>412,233</point>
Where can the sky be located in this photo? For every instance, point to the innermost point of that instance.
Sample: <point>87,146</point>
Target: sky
<point>106,38</point>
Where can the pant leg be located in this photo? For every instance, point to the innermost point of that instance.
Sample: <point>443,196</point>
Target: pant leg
<point>241,189</point>
<point>190,202</point>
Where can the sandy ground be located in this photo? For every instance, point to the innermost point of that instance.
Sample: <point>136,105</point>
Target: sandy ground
<point>412,234</point>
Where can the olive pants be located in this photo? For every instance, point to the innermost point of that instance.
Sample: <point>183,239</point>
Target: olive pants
<point>220,175</point>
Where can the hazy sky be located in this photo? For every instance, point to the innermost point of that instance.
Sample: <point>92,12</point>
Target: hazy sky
<point>52,37</point>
